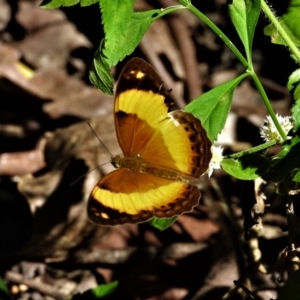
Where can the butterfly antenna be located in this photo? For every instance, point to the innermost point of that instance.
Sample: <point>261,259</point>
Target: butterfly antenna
<point>88,173</point>
<point>99,139</point>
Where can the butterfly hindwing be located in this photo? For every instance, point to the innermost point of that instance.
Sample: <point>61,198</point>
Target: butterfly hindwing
<point>128,197</point>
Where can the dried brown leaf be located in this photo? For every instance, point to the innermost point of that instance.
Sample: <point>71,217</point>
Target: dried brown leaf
<point>69,95</point>
<point>50,37</point>
<point>60,220</point>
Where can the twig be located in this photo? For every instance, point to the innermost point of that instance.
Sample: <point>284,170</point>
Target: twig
<point>35,284</point>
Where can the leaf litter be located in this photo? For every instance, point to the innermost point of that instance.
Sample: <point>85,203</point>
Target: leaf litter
<point>49,249</point>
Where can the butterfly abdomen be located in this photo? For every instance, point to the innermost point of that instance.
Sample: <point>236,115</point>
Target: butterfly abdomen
<point>136,164</point>
<point>163,173</point>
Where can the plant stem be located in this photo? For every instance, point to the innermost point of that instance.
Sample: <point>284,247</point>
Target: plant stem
<point>253,149</point>
<point>169,9</point>
<point>267,103</point>
<point>220,34</point>
<point>284,35</point>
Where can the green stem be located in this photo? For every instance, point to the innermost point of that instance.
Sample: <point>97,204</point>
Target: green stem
<point>169,9</point>
<point>254,149</point>
<point>266,9</point>
<point>220,34</point>
<point>267,104</point>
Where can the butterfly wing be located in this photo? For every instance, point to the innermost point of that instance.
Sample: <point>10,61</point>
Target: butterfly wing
<point>175,141</point>
<point>144,127</point>
<point>123,196</point>
<point>138,85</point>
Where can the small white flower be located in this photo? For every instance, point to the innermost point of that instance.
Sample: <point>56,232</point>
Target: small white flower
<point>217,157</point>
<point>269,132</point>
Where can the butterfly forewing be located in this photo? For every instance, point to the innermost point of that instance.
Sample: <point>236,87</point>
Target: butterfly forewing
<point>138,85</point>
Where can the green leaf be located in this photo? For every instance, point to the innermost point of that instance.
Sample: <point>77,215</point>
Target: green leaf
<point>162,223</point>
<point>294,81</point>
<point>296,113</point>
<point>115,17</point>
<point>212,107</point>
<point>123,28</point>
<point>88,2</point>
<point>285,165</point>
<point>296,177</point>
<point>290,22</point>
<point>291,290</point>
<point>104,290</point>
<point>4,292</point>
<point>294,87</point>
<point>244,15</point>
<point>100,75</point>
<point>100,292</point>
<point>59,3</point>
<point>271,30</point>
<point>248,167</point>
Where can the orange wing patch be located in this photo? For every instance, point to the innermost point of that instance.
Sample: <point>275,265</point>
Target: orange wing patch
<point>162,152</point>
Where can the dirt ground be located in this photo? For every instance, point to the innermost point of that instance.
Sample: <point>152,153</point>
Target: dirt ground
<point>48,247</point>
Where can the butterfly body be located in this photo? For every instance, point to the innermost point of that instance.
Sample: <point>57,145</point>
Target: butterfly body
<point>136,164</point>
<point>163,151</point>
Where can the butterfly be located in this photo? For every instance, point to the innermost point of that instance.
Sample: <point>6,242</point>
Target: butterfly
<point>163,152</point>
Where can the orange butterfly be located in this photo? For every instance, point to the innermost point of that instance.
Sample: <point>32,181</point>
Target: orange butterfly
<point>163,151</point>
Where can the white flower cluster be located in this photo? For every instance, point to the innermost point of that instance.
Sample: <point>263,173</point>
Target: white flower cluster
<point>269,132</point>
<point>217,157</point>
